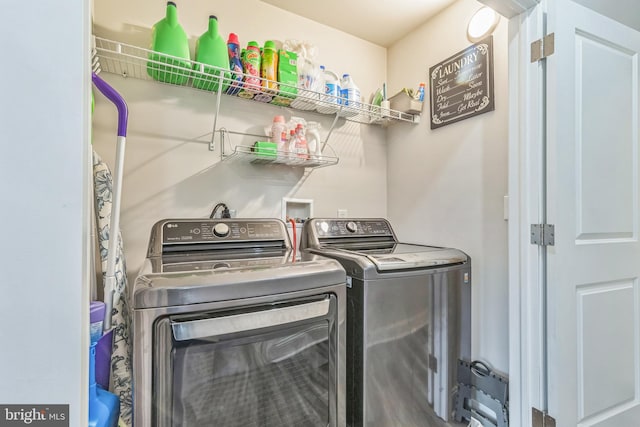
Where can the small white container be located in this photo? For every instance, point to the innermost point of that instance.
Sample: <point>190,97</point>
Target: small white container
<point>405,104</point>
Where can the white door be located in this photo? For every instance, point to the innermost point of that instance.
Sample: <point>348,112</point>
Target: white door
<point>593,294</point>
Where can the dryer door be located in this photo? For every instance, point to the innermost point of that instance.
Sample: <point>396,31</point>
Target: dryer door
<point>271,365</point>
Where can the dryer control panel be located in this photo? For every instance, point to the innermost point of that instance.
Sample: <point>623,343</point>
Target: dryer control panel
<point>198,235</point>
<point>352,227</point>
<point>208,231</point>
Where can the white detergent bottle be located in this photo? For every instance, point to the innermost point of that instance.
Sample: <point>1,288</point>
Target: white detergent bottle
<point>313,140</point>
<point>329,102</point>
<point>277,127</point>
<point>350,94</point>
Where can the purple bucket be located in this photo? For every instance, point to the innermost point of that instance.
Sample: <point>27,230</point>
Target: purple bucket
<point>103,359</point>
<point>104,344</point>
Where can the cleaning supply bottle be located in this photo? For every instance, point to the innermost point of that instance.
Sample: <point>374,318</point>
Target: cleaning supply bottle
<point>313,140</point>
<point>329,102</point>
<point>269,67</point>
<point>283,146</point>
<point>301,149</point>
<point>277,127</point>
<point>251,66</point>
<point>211,49</point>
<point>421,92</point>
<point>350,96</point>
<point>291,144</point>
<point>235,64</point>
<point>169,38</point>
<point>309,85</point>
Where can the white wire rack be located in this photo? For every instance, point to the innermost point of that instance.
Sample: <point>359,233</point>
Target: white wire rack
<point>135,62</point>
<point>246,154</point>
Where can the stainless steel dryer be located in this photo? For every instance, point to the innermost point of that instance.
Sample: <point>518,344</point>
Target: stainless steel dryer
<point>408,321</point>
<point>230,330</point>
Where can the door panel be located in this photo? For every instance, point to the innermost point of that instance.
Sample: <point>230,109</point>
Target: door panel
<point>606,75</point>
<point>606,314</point>
<point>593,300</point>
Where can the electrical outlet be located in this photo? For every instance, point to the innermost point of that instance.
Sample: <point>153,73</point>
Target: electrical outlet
<point>342,213</point>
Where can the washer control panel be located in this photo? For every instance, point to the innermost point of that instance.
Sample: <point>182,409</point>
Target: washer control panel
<point>217,230</point>
<point>352,227</point>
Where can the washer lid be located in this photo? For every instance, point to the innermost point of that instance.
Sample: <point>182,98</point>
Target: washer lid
<point>403,256</point>
<point>232,282</point>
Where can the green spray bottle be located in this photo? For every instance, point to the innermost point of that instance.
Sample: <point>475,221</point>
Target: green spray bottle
<point>211,49</point>
<point>169,38</point>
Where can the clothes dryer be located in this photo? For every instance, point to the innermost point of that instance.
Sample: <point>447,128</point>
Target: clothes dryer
<point>231,330</point>
<point>408,321</point>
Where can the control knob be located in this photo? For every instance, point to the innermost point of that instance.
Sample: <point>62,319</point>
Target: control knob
<point>221,229</point>
<point>352,227</point>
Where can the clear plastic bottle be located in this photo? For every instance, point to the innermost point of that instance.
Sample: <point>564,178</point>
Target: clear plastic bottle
<point>310,83</point>
<point>350,94</point>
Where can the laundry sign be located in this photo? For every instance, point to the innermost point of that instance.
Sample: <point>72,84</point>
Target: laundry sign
<point>462,85</point>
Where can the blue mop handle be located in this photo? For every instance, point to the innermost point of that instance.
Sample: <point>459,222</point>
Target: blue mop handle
<point>110,278</point>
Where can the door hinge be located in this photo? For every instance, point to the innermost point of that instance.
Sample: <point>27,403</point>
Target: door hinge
<point>433,363</point>
<point>543,234</point>
<point>541,419</point>
<point>543,47</point>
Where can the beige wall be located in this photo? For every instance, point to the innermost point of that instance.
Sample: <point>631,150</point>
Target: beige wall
<point>169,171</point>
<point>446,186</point>
<point>442,187</point>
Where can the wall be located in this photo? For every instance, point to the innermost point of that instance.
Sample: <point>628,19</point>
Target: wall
<point>44,167</point>
<point>446,186</point>
<point>442,187</point>
<point>169,171</point>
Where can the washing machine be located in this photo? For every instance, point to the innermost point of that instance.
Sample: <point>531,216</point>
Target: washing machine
<point>232,328</point>
<point>408,321</point>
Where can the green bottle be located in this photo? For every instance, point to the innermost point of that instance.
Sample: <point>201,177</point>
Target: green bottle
<point>211,49</point>
<point>169,38</point>
<point>269,67</point>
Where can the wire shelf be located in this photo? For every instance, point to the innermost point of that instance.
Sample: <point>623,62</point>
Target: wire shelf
<point>144,64</point>
<point>247,154</point>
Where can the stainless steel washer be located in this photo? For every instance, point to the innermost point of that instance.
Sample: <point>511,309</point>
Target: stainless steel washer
<point>232,330</point>
<point>408,321</point>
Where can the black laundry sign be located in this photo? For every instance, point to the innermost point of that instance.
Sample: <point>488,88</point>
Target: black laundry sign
<point>462,85</point>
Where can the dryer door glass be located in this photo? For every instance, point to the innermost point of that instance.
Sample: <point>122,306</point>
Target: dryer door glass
<point>270,369</point>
